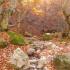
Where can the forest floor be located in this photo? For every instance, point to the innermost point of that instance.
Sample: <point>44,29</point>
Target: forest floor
<point>41,53</point>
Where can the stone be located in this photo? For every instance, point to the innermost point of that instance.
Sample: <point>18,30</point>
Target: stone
<point>45,68</point>
<point>19,58</point>
<point>42,62</point>
<point>30,51</point>
<point>62,62</point>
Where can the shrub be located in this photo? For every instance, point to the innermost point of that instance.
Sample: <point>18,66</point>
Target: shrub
<point>65,34</point>
<point>1,1</point>
<point>47,36</point>
<point>62,62</point>
<point>4,24</point>
<point>3,43</point>
<point>16,39</point>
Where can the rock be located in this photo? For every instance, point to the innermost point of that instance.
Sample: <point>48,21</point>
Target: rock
<point>49,58</point>
<point>45,68</point>
<point>39,45</point>
<point>62,62</point>
<point>42,62</point>
<point>30,51</point>
<point>52,46</point>
<point>33,63</point>
<point>19,58</point>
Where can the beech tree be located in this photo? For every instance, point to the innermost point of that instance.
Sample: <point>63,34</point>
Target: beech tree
<point>66,13</point>
<point>7,8</point>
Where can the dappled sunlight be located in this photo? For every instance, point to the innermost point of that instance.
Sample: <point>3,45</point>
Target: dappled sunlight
<point>38,12</point>
<point>36,1</point>
<point>34,4</point>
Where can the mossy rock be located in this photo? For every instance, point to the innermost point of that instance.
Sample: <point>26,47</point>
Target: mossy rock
<point>62,62</point>
<point>3,43</point>
<point>16,39</point>
<point>47,36</point>
<point>1,1</point>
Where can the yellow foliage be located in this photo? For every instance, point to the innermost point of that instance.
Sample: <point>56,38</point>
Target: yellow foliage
<point>25,2</point>
<point>38,11</point>
<point>37,1</point>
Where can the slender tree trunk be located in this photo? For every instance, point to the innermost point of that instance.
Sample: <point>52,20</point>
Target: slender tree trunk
<point>68,22</point>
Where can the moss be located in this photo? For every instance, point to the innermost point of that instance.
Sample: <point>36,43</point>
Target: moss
<point>30,42</point>
<point>16,39</point>
<point>1,1</point>
<point>47,36</point>
<point>62,62</point>
<point>3,43</point>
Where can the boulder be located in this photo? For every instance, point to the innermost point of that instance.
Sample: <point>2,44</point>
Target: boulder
<point>62,62</point>
<point>19,59</point>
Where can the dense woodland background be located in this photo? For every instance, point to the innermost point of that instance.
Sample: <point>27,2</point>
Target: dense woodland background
<point>34,34</point>
<point>35,16</point>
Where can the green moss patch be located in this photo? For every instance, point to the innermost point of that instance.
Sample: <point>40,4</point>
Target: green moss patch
<point>16,39</point>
